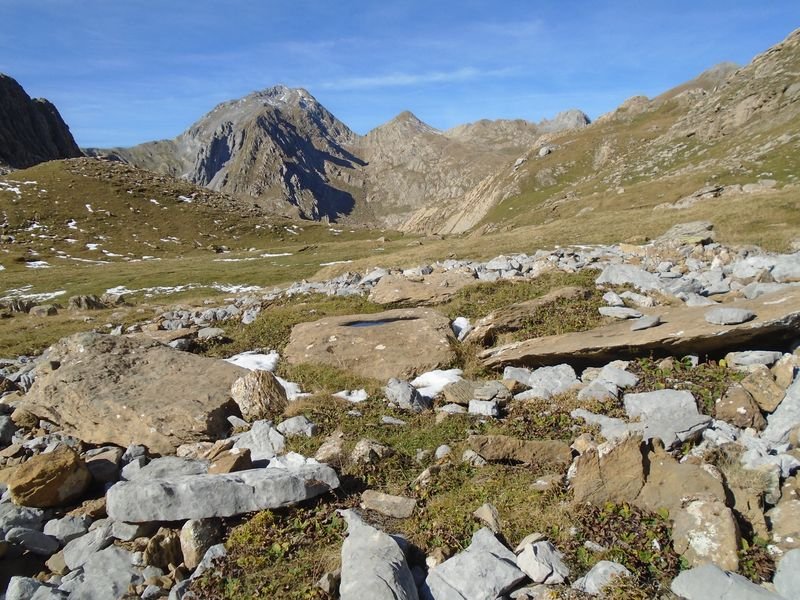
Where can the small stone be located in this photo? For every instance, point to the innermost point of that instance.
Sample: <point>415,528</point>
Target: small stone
<point>543,563</point>
<point>618,312</point>
<point>230,461</point>
<point>397,507</point>
<point>729,316</point>
<point>331,449</point>
<point>646,322</point>
<point>486,408</point>
<point>442,451</point>
<point>405,396</point>
<point>763,388</point>
<point>369,451</point>
<point>33,541</point>
<point>489,515</point>
<point>163,549</point>
<point>601,574</point>
<point>196,537</point>
<point>387,420</point>
<point>298,425</point>
<point>738,408</point>
<point>259,396</point>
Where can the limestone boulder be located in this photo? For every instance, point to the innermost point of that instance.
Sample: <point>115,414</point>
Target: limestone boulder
<point>259,395</point>
<point>428,289</point>
<point>117,390</point>
<point>49,480</point>
<point>399,343</point>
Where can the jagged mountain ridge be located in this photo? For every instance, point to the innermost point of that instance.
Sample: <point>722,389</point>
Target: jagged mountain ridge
<point>31,130</point>
<point>281,147</point>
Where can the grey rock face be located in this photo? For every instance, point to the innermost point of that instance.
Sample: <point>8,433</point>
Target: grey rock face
<point>107,575</point>
<point>486,569</point>
<point>787,577</point>
<point>729,316</point>
<point>670,415</point>
<point>373,565</point>
<point>709,582</point>
<point>224,495</point>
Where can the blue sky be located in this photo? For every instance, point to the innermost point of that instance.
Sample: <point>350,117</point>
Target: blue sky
<point>128,71</point>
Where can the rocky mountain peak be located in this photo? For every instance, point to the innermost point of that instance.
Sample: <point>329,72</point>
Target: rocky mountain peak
<point>567,119</point>
<point>408,122</point>
<point>31,130</point>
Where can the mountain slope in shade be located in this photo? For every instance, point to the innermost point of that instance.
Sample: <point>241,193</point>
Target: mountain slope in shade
<point>31,130</point>
<point>279,146</point>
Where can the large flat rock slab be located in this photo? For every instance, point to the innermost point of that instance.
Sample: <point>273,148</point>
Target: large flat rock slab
<point>224,495</point>
<point>683,330</point>
<point>116,390</point>
<point>396,343</point>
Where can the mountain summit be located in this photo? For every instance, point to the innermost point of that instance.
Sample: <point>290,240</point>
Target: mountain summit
<point>31,130</point>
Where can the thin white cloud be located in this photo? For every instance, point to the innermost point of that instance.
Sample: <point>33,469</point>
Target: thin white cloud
<point>412,79</point>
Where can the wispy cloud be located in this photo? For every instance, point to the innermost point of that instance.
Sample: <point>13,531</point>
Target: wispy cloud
<point>412,79</point>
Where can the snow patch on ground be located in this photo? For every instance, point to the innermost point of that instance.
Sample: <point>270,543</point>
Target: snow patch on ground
<point>432,383</point>
<point>38,264</point>
<point>23,293</point>
<point>335,262</point>
<point>255,361</point>
<point>354,396</point>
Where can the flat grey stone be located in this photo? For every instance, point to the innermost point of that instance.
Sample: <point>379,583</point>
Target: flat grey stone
<point>619,312</point>
<point>646,322</point>
<point>619,377</point>
<point>599,390</point>
<point>600,575</point>
<point>387,420</point>
<point>709,582</point>
<point>373,565</point>
<point>545,382</point>
<point>33,541</point>
<point>670,415</point>
<point>729,316</point>
<point>486,569</point>
<point>618,274</point>
<point>613,299</point>
<point>67,528</point>
<point>222,495</point>
<point>299,425</point>
<point>752,357</point>
<point>611,428</point>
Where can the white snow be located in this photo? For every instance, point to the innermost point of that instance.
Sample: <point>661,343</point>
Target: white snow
<point>268,255</point>
<point>185,199</point>
<point>461,327</point>
<point>92,246</point>
<point>89,208</point>
<point>22,293</point>
<point>2,268</point>
<point>34,226</point>
<point>255,361</point>
<point>354,396</point>
<point>335,262</point>
<point>291,231</point>
<point>72,224</point>
<point>433,382</point>
<point>70,240</point>
<point>292,389</point>
<point>154,201</point>
<point>38,264</point>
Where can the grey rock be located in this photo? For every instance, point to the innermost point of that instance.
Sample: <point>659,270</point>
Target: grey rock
<point>787,268</point>
<point>406,396</point>
<point>619,377</point>
<point>544,382</point>
<point>599,390</point>
<point>197,536</point>
<point>169,466</point>
<point>599,577</point>
<point>453,409</point>
<point>127,532</point>
<point>67,528</point>
<point>646,322</point>
<point>107,575</point>
<point>387,420</point>
<point>486,569</point>
<point>442,451</point>
<point>752,357</point>
<point>27,588</point>
<point>486,408</point>
<point>670,415</point>
<point>223,495</point>
<point>398,507</point>
<point>787,576</point>
<point>709,582</point>
<point>33,541</point>
<point>12,516</point>
<point>639,300</point>
<point>611,428</point>
<point>543,563</point>
<point>613,299</point>
<point>263,441</point>
<point>373,565</point>
<point>619,274</point>
<point>216,552</point>
<point>786,417</point>
<point>729,316</point>
<point>7,430</point>
<point>692,299</point>
<point>210,333</point>
<point>619,312</point>
<point>81,549</point>
<point>298,425</point>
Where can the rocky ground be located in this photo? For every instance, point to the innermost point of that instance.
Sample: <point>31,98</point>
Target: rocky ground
<point>612,421</point>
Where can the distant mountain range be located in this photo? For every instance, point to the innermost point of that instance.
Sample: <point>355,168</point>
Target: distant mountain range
<point>282,150</point>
